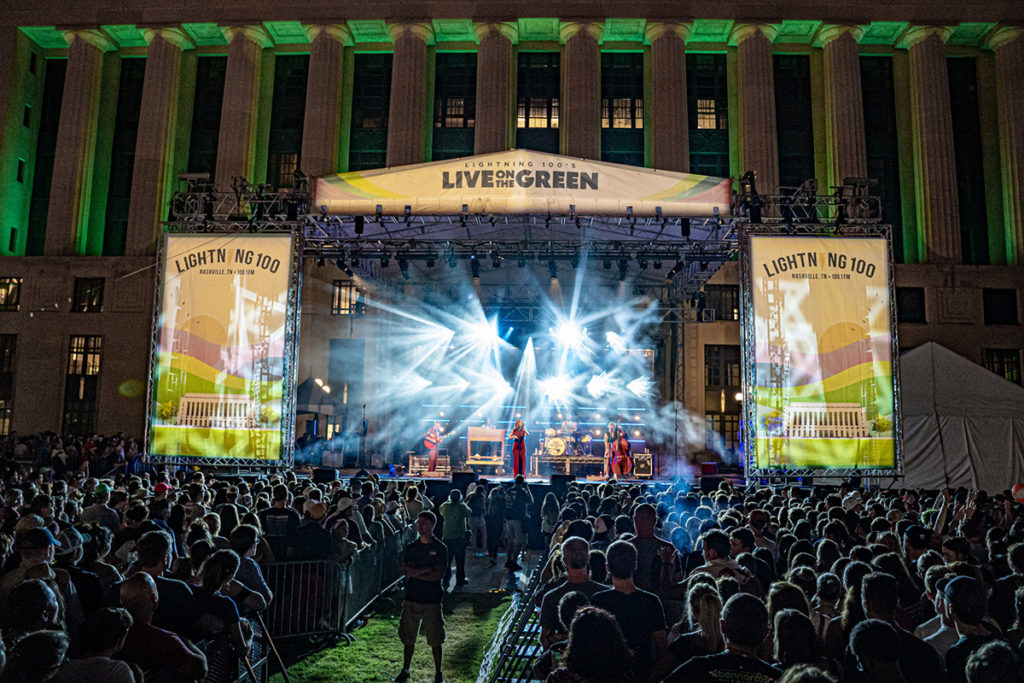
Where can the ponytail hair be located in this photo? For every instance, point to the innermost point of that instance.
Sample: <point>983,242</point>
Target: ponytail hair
<point>704,610</point>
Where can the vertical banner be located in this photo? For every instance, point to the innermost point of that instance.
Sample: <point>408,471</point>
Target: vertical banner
<point>219,373</point>
<point>822,381</point>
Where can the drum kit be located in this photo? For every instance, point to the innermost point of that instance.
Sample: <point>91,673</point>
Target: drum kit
<point>558,443</point>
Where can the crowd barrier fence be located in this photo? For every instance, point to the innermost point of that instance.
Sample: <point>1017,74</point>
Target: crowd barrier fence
<point>325,597</point>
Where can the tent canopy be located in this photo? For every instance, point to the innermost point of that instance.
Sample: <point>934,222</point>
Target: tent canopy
<point>962,425</point>
<point>523,181</point>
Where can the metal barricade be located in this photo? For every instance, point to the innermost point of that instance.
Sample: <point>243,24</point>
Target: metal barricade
<point>224,666</point>
<point>309,597</point>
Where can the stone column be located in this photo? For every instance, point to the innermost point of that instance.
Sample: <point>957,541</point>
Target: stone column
<point>153,171</point>
<point>846,149</point>
<point>71,187</point>
<point>1008,43</point>
<point>239,117</point>
<point>579,114</point>
<point>322,119</point>
<point>938,205</point>
<point>406,115</point>
<point>759,144</point>
<point>669,119</point>
<point>495,87</point>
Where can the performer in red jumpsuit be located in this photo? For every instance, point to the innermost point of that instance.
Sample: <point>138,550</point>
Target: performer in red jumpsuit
<point>519,435</point>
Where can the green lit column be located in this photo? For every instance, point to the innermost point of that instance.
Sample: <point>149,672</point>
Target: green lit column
<point>759,145</point>
<point>153,172</point>
<point>938,206</point>
<point>670,121</point>
<point>846,148</point>
<point>1008,43</point>
<point>408,108</point>
<point>495,87</point>
<point>239,118</point>
<point>322,121</point>
<point>71,189</point>
<point>580,106</point>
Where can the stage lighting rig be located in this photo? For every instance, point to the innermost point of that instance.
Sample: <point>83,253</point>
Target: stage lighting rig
<point>623,268</point>
<point>385,259</point>
<point>496,259</point>
<point>343,267</point>
<point>553,269</point>
<point>474,266</point>
<point>431,259</point>
<point>676,269</point>
<point>403,266</point>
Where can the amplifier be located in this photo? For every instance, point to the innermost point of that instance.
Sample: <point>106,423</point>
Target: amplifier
<point>643,465</point>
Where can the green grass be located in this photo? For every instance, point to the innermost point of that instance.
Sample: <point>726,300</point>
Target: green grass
<point>376,655</point>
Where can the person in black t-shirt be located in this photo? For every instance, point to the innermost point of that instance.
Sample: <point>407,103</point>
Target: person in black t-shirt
<point>639,614</point>
<point>424,567</point>
<point>279,523</point>
<point>744,627</point>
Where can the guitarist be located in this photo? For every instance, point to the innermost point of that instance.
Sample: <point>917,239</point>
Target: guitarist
<point>432,439</point>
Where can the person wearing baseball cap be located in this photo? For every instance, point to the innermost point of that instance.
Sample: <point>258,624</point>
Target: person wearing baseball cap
<point>37,547</point>
<point>161,489</point>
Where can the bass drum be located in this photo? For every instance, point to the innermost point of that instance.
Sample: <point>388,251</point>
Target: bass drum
<point>555,446</point>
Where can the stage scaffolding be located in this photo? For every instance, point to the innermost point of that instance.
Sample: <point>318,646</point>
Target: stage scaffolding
<point>694,248</point>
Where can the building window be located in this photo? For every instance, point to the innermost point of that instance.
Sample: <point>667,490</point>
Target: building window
<point>883,156</point>
<point>910,305</point>
<point>371,98</point>
<point>347,299</point>
<point>722,365</point>
<point>8,346</point>
<point>454,104</point>
<point>721,430</point>
<point>21,170</point>
<point>81,388</point>
<point>724,299</point>
<point>26,116</point>
<point>10,293</point>
<point>45,153</point>
<point>708,107</point>
<point>88,297</point>
<point>962,73</point>
<point>287,114</point>
<point>537,109</point>
<point>205,131</point>
<point>282,169</point>
<point>622,107</point>
<point>126,132</point>
<point>1000,306</point>
<point>1003,362</point>
<point>793,120</point>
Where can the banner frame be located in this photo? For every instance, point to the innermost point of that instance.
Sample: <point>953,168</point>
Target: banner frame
<point>290,370</point>
<point>748,357</point>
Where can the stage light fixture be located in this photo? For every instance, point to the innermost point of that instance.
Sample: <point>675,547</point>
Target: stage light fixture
<point>553,269</point>
<point>403,266</point>
<point>607,264</point>
<point>643,263</point>
<point>385,259</point>
<point>616,342</point>
<point>557,389</point>
<point>342,266</point>
<point>321,261</point>
<point>684,228</point>
<point>623,268</point>
<point>496,259</point>
<point>521,260</point>
<point>574,260</point>
<point>657,264</point>
<point>431,259</point>
<point>600,385</point>
<point>353,259</point>
<point>680,264</point>
<point>640,387</point>
<point>359,223</point>
<point>474,266</point>
<point>568,334</point>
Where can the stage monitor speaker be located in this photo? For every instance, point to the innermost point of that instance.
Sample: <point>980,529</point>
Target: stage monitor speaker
<point>462,480</point>
<point>324,475</point>
<point>560,484</point>
<point>709,484</point>
<point>643,466</point>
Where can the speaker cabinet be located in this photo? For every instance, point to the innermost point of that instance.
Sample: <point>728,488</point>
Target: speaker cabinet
<point>643,465</point>
<point>324,475</point>
<point>462,480</point>
<point>560,484</point>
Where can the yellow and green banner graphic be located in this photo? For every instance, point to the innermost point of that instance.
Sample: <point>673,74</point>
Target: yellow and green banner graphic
<point>822,349</point>
<point>523,181</point>
<point>218,377</point>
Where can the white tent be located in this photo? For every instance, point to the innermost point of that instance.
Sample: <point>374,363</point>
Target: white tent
<point>962,425</point>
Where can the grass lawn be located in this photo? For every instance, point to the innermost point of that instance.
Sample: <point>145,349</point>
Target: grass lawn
<point>376,655</point>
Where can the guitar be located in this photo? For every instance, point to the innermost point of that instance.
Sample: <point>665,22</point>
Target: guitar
<point>433,439</point>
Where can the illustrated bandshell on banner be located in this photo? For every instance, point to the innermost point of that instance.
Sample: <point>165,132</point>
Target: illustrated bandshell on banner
<point>219,375</point>
<point>822,381</point>
<point>523,181</point>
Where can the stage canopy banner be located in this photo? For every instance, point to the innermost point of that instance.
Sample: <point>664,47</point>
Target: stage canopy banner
<point>523,181</point>
<point>822,380</point>
<point>219,367</point>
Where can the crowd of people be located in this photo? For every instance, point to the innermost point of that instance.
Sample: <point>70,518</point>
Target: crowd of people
<point>124,576</point>
<point>789,584</point>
